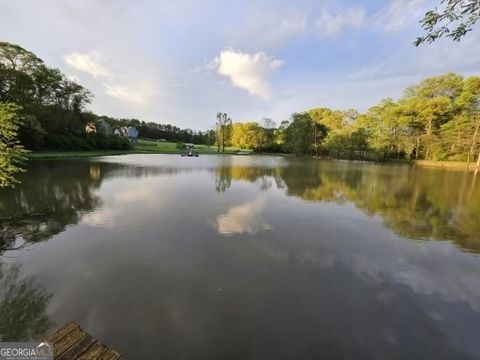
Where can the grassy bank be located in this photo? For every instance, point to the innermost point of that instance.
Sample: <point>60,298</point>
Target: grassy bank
<point>155,147</point>
<point>140,147</point>
<point>450,165</point>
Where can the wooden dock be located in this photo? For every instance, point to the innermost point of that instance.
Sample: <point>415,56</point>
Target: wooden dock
<point>71,342</point>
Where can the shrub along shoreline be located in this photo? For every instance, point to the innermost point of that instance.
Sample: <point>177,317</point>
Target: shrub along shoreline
<point>139,147</point>
<point>151,147</point>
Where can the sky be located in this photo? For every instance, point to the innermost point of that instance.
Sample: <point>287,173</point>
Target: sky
<point>181,62</point>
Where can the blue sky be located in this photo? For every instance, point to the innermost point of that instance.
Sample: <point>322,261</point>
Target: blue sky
<point>181,61</point>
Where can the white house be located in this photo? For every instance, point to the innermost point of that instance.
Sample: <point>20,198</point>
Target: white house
<point>119,131</point>
<point>131,132</point>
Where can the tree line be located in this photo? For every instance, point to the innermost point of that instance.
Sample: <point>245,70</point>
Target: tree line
<point>437,119</point>
<point>52,109</point>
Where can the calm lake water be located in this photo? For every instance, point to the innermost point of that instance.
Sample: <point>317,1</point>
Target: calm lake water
<point>163,257</point>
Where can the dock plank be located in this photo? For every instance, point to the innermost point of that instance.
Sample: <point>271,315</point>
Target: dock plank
<point>78,349</point>
<point>68,341</point>
<point>71,342</point>
<point>110,355</point>
<point>61,332</point>
<point>97,350</point>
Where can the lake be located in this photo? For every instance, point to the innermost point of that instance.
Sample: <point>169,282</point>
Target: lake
<point>221,257</point>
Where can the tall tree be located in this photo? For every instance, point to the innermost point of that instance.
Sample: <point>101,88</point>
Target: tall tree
<point>223,130</point>
<point>298,134</point>
<point>324,121</point>
<point>269,130</point>
<point>11,152</point>
<point>463,132</point>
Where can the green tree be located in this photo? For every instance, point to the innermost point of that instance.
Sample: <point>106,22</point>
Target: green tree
<point>462,134</point>
<point>324,121</point>
<point>249,135</point>
<point>384,127</point>
<point>11,152</point>
<point>269,131</point>
<point>436,119</point>
<point>429,105</point>
<point>298,135</point>
<point>223,130</point>
<point>52,105</point>
<point>454,19</point>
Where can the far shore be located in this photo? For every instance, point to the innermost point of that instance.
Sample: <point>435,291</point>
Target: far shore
<point>143,146</point>
<point>46,155</point>
<point>450,165</point>
<point>140,147</point>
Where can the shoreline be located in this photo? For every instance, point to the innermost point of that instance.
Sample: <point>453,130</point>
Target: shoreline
<point>49,155</point>
<point>447,165</point>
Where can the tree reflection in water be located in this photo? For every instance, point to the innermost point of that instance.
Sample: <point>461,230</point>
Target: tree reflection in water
<point>414,202</point>
<point>44,204</point>
<point>23,303</point>
<point>57,195</point>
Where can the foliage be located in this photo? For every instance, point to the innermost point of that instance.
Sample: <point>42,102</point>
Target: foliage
<point>223,131</point>
<point>454,20</point>
<point>298,134</point>
<point>249,135</point>
<point>51,103</point>
<point>11,152</point>
<point>53,109</point>
<point>437,119</point>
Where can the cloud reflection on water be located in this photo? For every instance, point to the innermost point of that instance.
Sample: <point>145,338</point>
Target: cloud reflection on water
<point>246,218</point>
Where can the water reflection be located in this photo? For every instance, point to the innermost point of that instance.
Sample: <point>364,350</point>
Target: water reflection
<point>23,304</point>
<point>50,197</point>
<point>244,218</point>
<point>415,203</point>
<point>55,194</point>
<point>266,176</point>
<point>257,258</point>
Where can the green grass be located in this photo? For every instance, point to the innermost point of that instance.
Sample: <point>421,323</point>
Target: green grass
<point>447,165</point>
<point>140,147</point>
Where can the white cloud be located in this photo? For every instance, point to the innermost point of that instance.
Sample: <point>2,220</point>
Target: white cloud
<point>330,24</point>
<point>244,218</point>
<point>399,13</point>
<point>90,63</point>
<point>127,93</point>
<point>114,85</point>
<point>247,71</point>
